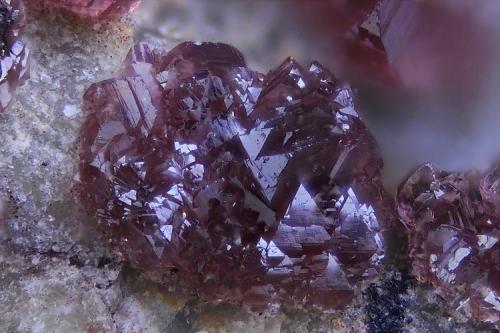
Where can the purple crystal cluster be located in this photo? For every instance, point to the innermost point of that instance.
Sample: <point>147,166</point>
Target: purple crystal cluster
<point>93,9</point>
<point>453,221</point>
<point>14,69</point>
<point>241,187</point>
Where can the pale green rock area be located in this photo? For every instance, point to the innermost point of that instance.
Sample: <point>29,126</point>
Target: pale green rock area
<point>56,272</point>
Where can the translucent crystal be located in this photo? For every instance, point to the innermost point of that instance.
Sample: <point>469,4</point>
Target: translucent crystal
<point>241,187</point>
<point>454,222</point>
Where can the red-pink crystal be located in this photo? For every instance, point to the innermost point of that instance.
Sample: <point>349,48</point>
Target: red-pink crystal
<point>454,231</point>
<point>407,41</point>
<point>94,9</point>
<point>14,68</point>
<point>243,187</point>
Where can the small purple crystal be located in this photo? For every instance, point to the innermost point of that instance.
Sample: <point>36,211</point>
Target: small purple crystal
<point>454,223</point>
<point>94,9</point>
<point>14,69</point>
<point>242,187</point>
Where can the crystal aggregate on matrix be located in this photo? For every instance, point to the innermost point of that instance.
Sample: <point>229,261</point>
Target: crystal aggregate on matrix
<point>240,187</point>
<point>453,220</point>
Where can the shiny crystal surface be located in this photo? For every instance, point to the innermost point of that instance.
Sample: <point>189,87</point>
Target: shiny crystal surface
<point>94,9</point>
<point>240,187</point>
<point>454,223</point>
<point>14,69</point>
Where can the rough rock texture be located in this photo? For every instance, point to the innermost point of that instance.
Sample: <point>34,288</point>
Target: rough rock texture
<point>43,227</point>
<point>454,231</point>
<point>242,187</point>
<point>92,9</point>
<point>40,129</point>
<point>13,52</point>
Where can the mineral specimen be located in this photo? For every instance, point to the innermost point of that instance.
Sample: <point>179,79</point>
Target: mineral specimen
<point>242,187</point>
<point>454,223</point>
<point>14,69</point>
<point>94,9</point>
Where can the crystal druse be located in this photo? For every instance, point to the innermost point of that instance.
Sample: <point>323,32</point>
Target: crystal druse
<point>234,185</point>
<point>453,221</point>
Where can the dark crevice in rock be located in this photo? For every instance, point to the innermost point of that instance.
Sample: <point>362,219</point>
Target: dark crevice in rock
<point>386,305</point>
<point>183,321</point>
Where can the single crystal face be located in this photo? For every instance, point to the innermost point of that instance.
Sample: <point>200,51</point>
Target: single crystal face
<point>454,222</point>
<point>94,9</point>
<point>241,187</point>
<point>14,69</point>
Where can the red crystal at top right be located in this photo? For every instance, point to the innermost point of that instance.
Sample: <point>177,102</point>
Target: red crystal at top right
<point>423,45</point>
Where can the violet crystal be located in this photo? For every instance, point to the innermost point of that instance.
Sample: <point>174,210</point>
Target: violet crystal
<point>94,9</point>
<point>454,223</point>
<point>14,69</point>
<point>240,187</point>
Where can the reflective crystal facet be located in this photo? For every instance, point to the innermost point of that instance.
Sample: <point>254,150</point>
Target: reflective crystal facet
<point>454,223</point>
<point>242,187</point>
<point>94,9</point>
<point>14,69</point>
